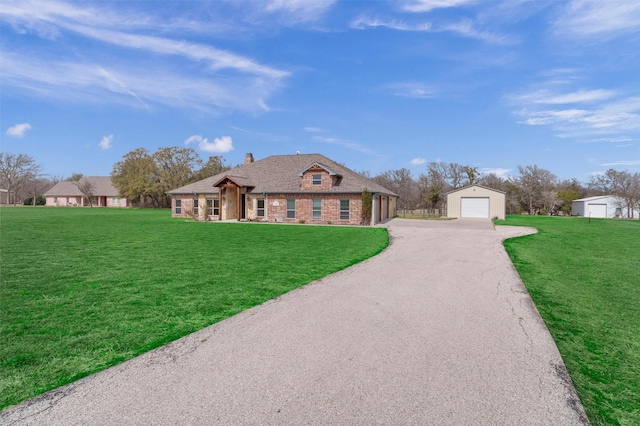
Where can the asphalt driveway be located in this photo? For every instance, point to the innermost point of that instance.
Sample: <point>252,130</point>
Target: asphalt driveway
<point>436,330</point>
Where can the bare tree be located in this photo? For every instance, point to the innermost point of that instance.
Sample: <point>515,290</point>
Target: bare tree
<point>535,185</point>
<point>84,185</point>
<point>401,182</point>
<point>16,171</point>
<point>623,184</point>
<point>493,181</point>
<point>456,174</point>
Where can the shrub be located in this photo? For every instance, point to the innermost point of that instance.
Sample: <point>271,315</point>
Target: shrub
<point>40,201</point>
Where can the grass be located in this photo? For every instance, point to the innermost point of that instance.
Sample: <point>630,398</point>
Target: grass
<point>584,277</point>
<point>83,289</point>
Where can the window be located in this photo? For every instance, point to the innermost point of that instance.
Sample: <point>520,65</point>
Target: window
<point>291,208</point>
<point>317,209</point>
<point>55,200</point>
<point>195,206</point>
<point>344,209</point>
<point>115,201</point>
<point>213,208</point>
<point>260,210</point>
<point>316,180</point>
<point>178,209</point>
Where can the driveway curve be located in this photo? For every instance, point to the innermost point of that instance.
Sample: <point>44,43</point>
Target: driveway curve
<point>437,329</point>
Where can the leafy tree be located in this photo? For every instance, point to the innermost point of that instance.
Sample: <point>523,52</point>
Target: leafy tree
<point>145,178</point>
<point>567,192</point>
<point>174,167</point>
<point>16,172</point>
<point>214,165</point>
<point>134,176</point>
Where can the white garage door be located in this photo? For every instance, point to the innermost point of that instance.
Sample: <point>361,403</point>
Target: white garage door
<point>597,210</point>
<point>474,207</point>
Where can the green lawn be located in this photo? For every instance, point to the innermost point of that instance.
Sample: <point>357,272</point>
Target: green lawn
<point>584,277</point>
<point>83,289</point>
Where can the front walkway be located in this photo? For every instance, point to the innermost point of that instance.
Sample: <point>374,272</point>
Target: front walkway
<point>436,330</point>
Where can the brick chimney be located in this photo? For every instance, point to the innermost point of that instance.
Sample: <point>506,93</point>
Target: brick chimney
<point>248,158</point>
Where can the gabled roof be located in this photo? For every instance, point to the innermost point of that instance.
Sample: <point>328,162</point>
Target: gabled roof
<point>281,174</point>
<point>597,197</point>
<point>102,187</point>
<point>322,166</point>
<point>476,186</point>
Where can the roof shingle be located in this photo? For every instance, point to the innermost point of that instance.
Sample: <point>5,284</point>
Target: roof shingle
<point>280,174</point>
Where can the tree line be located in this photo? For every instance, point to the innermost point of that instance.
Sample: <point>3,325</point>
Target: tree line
<point>534,190</point>
<point>144,178</point>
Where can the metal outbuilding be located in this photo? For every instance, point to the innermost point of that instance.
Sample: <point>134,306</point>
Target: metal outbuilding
<point>476,201</point>
<point>601,206</point>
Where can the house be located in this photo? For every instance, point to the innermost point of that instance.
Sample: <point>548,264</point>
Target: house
<point>602,206</point>
<point>476,201</point>
<point>308,188</point>
<point>67,193</point>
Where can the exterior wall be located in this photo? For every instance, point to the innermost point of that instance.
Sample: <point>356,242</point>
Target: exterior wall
<point>497,201</point>
<point>189,201</point>
<point>615,207</point>
<point>186,205</point>
<point>307,180</point>
<point>79,201</point>
<point>117,202</point>
<point>276,208</point>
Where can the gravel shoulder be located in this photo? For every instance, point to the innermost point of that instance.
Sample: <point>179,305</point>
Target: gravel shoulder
<point>437,329</point>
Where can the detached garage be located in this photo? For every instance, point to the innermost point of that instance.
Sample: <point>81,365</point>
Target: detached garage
<point>476,202</point>
<point>601,206</point>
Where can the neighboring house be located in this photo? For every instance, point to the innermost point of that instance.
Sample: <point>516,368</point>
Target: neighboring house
<point>601,206</point>
<point>104,194</point>
<point>308,188</point>
<point>476,201</point>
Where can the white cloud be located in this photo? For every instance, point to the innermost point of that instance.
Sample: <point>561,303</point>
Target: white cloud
<point>579,96</point>
<point>465,28</point>
<point>208,77</point>
<point>362,23</point>
<point>129,84</point>
<point>623,163</point>
<point>411,90</point>
<point>428,5</point>
<point>468,29</point>
<point>585,115</point>
<point>221,145</point>
<point>418,161</point>
<point>19,130</point>
<point>295,11</point>
<point>598,18</point>
<point>313,129</point>
<point>345,143</point>
<point>106,142</point>
<point>496,171</point>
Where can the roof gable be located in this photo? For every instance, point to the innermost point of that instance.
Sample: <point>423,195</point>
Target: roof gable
<point>315,165</point>
<point>102,187</point>
<point>281,174</point>
<point>475,186</point>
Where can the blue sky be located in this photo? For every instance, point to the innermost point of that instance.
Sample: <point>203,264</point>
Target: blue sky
<point>371,84</point>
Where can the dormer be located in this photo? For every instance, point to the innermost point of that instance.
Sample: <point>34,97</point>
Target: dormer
<point>318,177</point>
